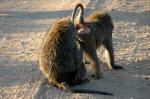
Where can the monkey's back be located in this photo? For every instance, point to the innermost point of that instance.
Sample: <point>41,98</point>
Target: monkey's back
<point>101,24</point>
<point>100,18</point>
<point>57,61</point>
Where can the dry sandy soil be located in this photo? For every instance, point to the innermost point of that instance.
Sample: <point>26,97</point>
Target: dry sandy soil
<point>23,24</point>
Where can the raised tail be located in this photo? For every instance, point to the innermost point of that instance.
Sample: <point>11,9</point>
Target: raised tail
<point>80,16</point>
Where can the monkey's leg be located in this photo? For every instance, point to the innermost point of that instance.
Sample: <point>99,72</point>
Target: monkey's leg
<point>95,65</point>
<point>91,53</point>
<point>109,54</point>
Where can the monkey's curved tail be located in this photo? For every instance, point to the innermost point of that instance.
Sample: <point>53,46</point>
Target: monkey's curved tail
<point>87,91</point>
<point>90,91</point>
<point>80,13</point>
<point>65,87</point>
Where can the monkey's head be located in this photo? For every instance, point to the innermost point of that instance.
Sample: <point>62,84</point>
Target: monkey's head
<point>83,32</point>
<point>65,30</point>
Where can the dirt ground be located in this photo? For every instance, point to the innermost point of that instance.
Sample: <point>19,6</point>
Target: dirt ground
<point>23,24</point>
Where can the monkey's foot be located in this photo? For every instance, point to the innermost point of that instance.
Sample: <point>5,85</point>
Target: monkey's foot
<point>116,67</point>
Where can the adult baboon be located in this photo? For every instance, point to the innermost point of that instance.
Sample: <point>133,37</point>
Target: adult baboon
<point>61,58</point>
<point>94,31</point>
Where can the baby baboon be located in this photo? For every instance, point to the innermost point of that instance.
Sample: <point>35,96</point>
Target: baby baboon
<point>94,31</point>
<point>61,58</point>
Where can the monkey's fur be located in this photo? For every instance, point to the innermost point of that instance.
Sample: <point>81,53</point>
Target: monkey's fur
<point>101,27</point>
<point>61,58</point>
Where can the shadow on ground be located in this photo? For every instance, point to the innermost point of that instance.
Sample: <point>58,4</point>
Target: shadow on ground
<point>125,83</point>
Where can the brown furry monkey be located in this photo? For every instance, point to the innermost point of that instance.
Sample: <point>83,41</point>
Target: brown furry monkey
<point>61,58</point>
<point>94,31</point>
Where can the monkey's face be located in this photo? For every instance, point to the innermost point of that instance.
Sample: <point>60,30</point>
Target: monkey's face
<point>83,33</point>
